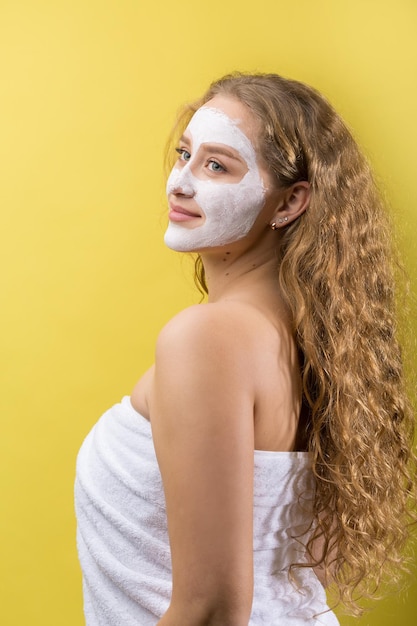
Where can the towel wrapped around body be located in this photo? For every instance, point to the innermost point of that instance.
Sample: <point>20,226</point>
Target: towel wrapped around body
<point>123,541</point>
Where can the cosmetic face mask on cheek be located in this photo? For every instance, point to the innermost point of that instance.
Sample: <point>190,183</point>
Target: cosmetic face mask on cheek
<point>230,209</point>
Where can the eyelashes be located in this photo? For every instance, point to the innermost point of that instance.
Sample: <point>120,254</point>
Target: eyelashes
<point>184,154</point>
<point>212,164</point>
<point>215,166</point>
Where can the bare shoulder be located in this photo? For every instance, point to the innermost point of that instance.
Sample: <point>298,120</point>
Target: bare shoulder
<point>225,326</point>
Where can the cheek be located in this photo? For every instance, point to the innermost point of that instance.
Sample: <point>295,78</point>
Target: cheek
<point>226,205</point>
<point>230,209</point>
<point>245,198</point>
<point>219,199</point>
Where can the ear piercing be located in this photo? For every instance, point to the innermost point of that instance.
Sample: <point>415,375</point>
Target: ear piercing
<point>281,220</point>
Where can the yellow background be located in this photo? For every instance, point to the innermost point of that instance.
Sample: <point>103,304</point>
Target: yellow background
<point>88,92</point>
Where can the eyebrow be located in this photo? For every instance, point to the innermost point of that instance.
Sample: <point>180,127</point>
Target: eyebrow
<point>211,147</point>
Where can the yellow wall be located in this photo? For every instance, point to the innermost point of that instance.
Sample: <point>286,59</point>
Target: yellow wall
<point>88,91</point>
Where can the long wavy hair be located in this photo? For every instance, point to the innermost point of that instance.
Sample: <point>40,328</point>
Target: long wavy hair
<point>336,270</point>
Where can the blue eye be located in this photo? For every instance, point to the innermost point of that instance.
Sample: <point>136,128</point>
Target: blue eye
<point>184,154</point>
<point>214,166</point>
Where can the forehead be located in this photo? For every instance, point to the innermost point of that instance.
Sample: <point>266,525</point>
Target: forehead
<point>213,125</point>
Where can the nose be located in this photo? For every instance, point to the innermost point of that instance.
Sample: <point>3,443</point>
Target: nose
<point>180,183</point>
<point>183,190</point>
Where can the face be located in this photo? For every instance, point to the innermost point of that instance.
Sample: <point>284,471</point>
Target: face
<point>216,190</point>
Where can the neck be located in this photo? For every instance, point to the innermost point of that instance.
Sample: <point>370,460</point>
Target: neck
<point>249,275</point>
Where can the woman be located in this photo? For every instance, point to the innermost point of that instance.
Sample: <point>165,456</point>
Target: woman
<point>268,448</point>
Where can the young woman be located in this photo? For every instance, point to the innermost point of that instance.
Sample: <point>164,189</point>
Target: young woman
<point>267,453</point>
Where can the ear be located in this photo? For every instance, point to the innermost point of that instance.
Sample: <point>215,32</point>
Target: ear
<point>294,202</point>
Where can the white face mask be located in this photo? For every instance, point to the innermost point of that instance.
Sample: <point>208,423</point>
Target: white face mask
<point>230,209</point>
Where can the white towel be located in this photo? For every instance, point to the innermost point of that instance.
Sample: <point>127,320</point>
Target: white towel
<point>123,541</point>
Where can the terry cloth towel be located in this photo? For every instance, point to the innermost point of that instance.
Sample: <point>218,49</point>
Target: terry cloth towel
<point>123,541</point>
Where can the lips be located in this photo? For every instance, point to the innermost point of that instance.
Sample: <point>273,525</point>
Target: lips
<point>178,213</point>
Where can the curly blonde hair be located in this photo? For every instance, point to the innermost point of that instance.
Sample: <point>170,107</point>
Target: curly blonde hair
<point>336,271</point>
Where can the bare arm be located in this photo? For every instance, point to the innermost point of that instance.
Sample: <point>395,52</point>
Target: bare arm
<point>202,421</point>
